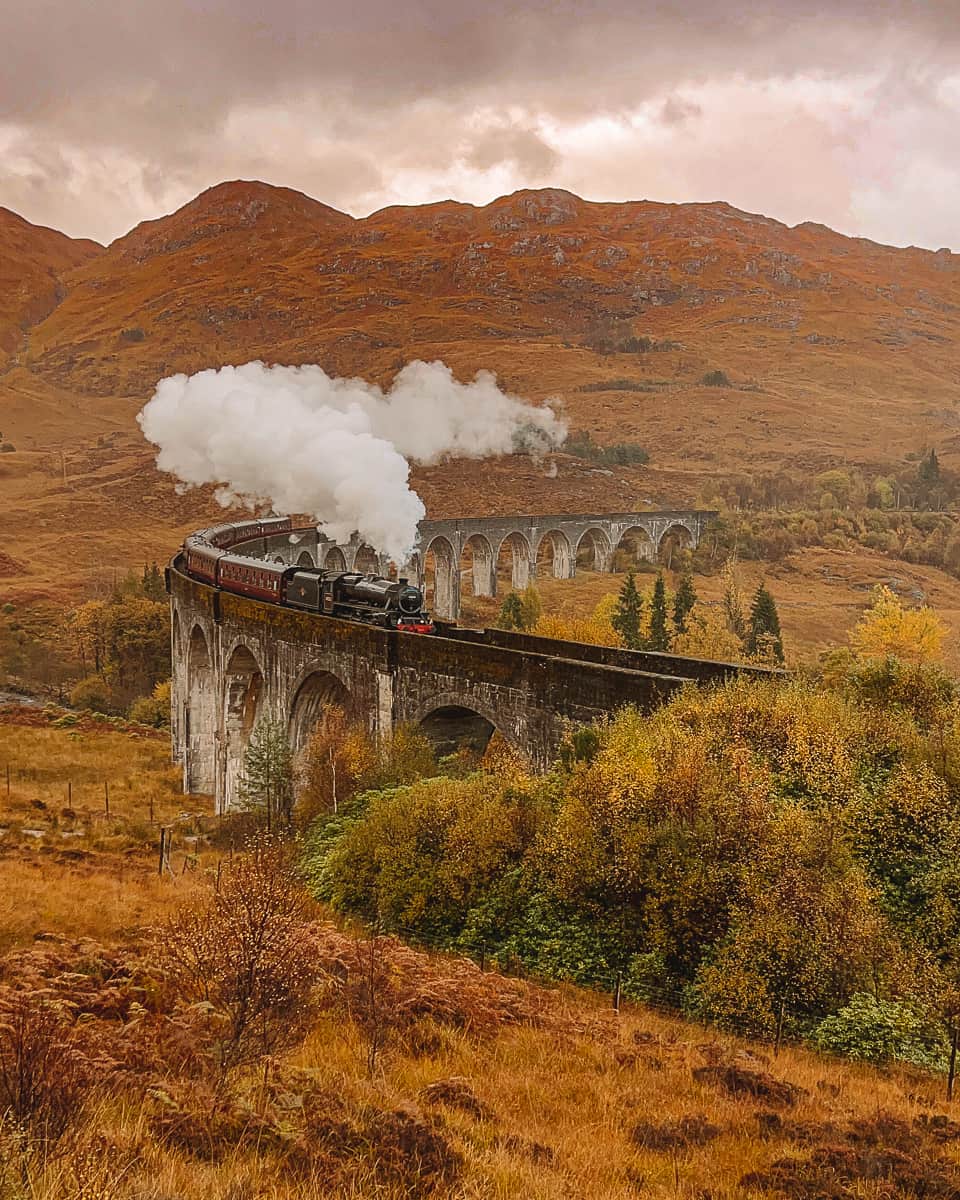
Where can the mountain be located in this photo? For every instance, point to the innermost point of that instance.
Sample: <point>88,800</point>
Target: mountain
<point>33,261</point>
<point>819,347</point>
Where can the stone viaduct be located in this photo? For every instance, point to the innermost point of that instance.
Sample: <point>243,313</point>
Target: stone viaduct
<point>449,551</point>
<point>237,660</point>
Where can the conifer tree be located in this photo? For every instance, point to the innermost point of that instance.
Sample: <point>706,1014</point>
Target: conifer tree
<point>266,784</point>
<point>626,615</point>
<point>764,629</point>
<point>511,612</point>
<point>153,588</point>
<point>683,602</point>
<point>929,470</point>
<point>659,635</point>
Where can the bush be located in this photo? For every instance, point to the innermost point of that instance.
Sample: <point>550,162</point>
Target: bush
<point>882,1031</point>
<point>153,710</point>
<point>7,448</point>
<point>716,379</point>
<point>581,445</point>
<point>92,693</point>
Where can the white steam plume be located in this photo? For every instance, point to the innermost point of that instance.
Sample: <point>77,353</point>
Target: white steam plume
<point>303,442</point>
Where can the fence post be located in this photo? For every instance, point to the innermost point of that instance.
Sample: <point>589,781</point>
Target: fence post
<point>616,992</point>
<point>952,1073</point>
<point>163,851</point>
<point>106,798</point>
<point>779,1037</point>
<point>69,793</point>
<point>8,781</point>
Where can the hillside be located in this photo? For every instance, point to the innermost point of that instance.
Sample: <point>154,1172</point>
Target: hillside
<point>400,1073</point>
<point>33,261</point>
<point>835,348</point>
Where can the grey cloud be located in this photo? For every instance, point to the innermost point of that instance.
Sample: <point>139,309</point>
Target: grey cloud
<point>120,108</point>
<point>523,148</point>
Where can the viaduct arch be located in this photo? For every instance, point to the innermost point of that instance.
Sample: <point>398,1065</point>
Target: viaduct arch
<point>489,551</point>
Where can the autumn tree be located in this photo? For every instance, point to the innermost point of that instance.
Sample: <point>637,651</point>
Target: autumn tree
<point>732,599</point>
<point>242,952</point>
<point>912,634</point>
<point>707,636</point>
<point>531,606</point>
<point>659,637</point>
<point>627,614</point>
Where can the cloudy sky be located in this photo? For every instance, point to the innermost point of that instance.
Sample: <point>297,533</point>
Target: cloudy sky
<point>847,113</point>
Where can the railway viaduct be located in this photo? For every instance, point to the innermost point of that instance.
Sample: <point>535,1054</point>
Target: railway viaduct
<point>447,551</point>
<point>236,660</point>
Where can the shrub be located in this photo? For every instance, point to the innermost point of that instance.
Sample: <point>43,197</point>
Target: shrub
<point>154,709</point>
<point>715,379</point>
<point>882,1031</point>
<point>92,693</point>
<point>245,952</point>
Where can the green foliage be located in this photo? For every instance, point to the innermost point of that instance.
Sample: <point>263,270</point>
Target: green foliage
<point>882,1031</point>
<point>683,602</point>
<point>626,619</point>
<point>152,586</point>
<point>659,636</point>
<point>763,632</point>
<point>521,611</point>
<point>421,857</point>
<point>266,785</point>
<point>581,445</point>
<point>929,469</point>
<point>716,379</point>
<point>511,612</point>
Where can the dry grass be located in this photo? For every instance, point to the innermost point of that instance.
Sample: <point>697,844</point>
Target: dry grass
<point>68,866</point>
<point>559,1110</point>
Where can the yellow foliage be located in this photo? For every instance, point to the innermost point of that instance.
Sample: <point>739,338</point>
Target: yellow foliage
<point>887,628</point>
<point>589,630</point>
<point>707,636</point>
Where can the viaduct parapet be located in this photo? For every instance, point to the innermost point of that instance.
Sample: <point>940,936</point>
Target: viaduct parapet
<point>237,660</point>
<point>447,552</point>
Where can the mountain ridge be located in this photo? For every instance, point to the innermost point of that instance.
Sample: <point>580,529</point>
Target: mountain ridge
<point>821,347</point>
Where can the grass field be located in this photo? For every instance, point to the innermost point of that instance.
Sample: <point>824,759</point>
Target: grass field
<point>71,866</point>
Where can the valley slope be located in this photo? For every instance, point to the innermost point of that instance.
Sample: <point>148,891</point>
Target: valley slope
<point>820,350</point>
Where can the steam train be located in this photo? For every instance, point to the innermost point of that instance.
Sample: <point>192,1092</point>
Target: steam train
<point>387,603</point>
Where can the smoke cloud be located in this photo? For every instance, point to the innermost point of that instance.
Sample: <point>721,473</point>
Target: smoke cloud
<point>303,441</point>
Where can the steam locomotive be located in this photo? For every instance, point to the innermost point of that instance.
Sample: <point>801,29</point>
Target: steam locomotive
<point>387,603</point>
